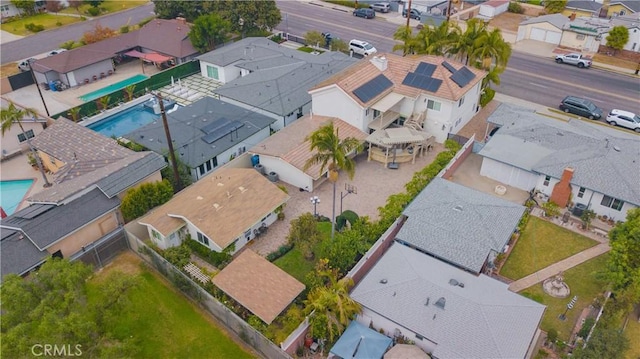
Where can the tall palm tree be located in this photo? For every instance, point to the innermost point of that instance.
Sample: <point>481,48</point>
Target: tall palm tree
<point>404,34</point>
<point>10,116</point>
<point>332,307</point>
<point>332,154</point>
<point>464,43</point>
<point>491,47</point>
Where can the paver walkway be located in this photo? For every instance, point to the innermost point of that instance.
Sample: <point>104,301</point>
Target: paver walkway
<point>558,267</point>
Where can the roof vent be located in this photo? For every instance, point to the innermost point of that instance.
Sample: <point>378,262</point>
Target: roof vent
<point>217,206</point>
<point>383,280</point>
<point>458,208</point>
<point>242,189</point>
<point>560,133</point>
<point>441,302</point>
<point>426,304</point>
<point>453,281</point>
<point>616,148</point>
<point>199,198</point>
<point>461,285</point>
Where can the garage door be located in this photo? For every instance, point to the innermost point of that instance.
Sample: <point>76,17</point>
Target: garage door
<point>543,35</point>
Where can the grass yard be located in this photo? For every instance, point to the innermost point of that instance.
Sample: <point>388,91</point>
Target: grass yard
<point>47,20</point>
<point>164,322</point>
<point>109,6</point>
<point>541,244</point>
<point>296,264</point>
<point>632,331</point>
<point>583,282</point>
<point>614,61</point>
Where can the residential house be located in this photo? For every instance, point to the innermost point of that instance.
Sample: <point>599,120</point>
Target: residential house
<point>158,41</point>
<point>14,141</point>
<point>205,134</point>
<point>632,23</point>
<point>265,77</point>
<point>623,7</point>
<point>604,9</point>
<point>459,225</point>
<point>446,311</point>
<point>35,233</point>
<point>225,209</point>
<point>8,9</point>
<point>574,162</point>
<point>258,285</point>
<point>546,28</point>
<point>584,34</point>
<point>438,94</point>
<point>82,159</point>
<point>582,8</point>
<point>287,151</point>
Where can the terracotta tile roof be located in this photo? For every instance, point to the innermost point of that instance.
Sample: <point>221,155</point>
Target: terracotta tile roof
<point>290,143</point>
<point>258,285</point>
<point>397,69</point>
<point>222,205</point>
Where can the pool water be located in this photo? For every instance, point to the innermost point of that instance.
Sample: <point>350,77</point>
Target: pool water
<point>113,87</point>
<point>12,193</point>
<point>124,122</point>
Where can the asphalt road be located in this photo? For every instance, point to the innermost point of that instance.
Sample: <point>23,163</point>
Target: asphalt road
<point>49,40</point>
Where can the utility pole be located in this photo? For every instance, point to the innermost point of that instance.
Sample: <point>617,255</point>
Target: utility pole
<point>448,10</point>
<point>33,76</point>
<point>408,14</point>
<point>172,155</point>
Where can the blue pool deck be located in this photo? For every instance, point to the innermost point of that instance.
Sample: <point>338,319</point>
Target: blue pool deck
<point>113,87</point>
<point>12,193</point>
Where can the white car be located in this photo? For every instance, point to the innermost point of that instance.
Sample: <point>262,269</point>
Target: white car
<point>361,48</point>
<point>55,52</point>
<point>624,119</point>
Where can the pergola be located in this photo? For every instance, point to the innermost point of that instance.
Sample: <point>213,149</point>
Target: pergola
<point>401,144</point>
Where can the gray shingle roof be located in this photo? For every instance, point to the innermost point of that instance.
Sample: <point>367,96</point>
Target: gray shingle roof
<point>280,77</point>
<point>483,319</point>
<point>584,5</point>
<point>557,20</point>
<point>630,4</point>
<point>18,255</point>
<point>604,159</point>
<point>186,123</point>
<point>459,224</point>
<point>57,222</point>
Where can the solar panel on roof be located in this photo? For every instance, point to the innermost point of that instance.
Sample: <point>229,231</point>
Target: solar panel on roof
<point>222,131</point>
<point>463,76</point>
<point>33,211</point>
<point>215,125</point>
<point>422,82</point>
<point>425,69</point>
<point>449,67</point>
<point>372,88</point>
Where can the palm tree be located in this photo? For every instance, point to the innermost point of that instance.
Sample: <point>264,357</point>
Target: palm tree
<point>404,34</point>
<point>490,46</point>
<point>332,154</point>
<point>463,46</point>
<point>332,306</point>
<point>12,115</point>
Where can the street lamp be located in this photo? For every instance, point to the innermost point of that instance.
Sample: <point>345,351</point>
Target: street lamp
<point>315,200</point>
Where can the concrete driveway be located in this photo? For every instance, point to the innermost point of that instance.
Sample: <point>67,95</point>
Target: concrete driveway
<point>374,184</point>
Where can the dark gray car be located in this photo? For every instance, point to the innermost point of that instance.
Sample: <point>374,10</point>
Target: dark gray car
<point>582,107</point>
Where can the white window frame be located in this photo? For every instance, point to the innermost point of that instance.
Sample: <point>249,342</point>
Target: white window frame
<point>434,105</point>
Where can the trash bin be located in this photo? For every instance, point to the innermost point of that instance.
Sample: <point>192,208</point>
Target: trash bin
<point>273,177</point>
<point>255,159</point>
<point>579,209</point>
<point>259,168</point>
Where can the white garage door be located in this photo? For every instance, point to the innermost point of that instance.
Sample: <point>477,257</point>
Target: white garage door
<point>543,35</point>
<point>508,175</point>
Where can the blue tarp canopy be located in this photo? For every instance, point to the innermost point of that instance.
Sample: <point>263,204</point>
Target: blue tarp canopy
<point>360,342</point>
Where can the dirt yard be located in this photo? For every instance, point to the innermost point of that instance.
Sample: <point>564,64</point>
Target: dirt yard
<point>507,21</point>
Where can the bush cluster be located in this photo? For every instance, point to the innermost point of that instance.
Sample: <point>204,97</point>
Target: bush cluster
<point>282,250</point>
<point>515,8</point>
<point>33,27</point>
<point>93,11</point>
<point>138,201</point>
<point>217,259</point>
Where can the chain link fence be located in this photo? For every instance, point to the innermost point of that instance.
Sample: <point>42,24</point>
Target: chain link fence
<point>103,251</point>
<point>224,315</point>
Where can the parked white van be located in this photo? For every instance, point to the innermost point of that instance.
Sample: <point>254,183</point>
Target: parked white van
<point>361,48</point>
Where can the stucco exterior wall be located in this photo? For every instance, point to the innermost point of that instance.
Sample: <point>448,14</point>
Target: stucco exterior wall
<point>286,172</point>
<point>86,235</point>
<point>10,143</point>
<point>334,102</point>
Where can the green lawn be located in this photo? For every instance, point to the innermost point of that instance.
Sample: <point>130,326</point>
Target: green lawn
<point>109,6</point>
<point>166,325</point>
<point>294,262</point>
<point>47,20</point>
<point>541,244</point>
<point>583,282</point>
<point>632,331</point>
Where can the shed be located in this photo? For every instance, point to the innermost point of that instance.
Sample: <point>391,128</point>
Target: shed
<point>493,8</point>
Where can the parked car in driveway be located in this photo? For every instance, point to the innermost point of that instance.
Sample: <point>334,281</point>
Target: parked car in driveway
<point>415,13</point>
<point>56,51</point>
<point>624,119</point>
<point>361,47</point>
<point>25,65</point>
<point>380,6</point>
<point>365,13</point>
<point>582,107</point>
<point>574,59</point>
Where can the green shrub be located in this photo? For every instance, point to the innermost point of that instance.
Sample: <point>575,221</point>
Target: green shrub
<point>217,259</point>
<point>515,8</point>
<point>58,24</point>
<point>138,201</point>
<point>551,209</point>
<point>282,250</point>
<point>33,27</point>
<point>347,3</point>
<point>586,328</point>
<point>487,96</point>
<point>145,21</point>
<point>82,18</point>
<point>179,256</point>
<point>124,29</point>
<point>93,11</point>
<point>277,39</point>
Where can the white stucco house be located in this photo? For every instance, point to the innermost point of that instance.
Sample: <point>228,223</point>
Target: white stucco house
<point>573,161</point>
<point>14,140</point>
<point>546,28</point>
<point>287,151</point>
<point>265,77</point>
<point>438,93</point>
<point>227,208</point>
<point>448,312</point>
<point>632,23</point>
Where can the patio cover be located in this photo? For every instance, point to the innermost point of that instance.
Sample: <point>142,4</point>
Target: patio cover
<point>406,351</point>
<point>359,341</point>
<point>149,56</point>
<point>387,102</point>
<point>394,136</point>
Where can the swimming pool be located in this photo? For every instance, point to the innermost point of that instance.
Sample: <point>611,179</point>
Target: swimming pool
<point>124,122</point>
<point>113,87</point>
<point>12,193</point>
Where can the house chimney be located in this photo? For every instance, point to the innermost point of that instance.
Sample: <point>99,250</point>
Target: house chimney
<point>380,62</point>
<point>562,190</point>
<point>572,16</point>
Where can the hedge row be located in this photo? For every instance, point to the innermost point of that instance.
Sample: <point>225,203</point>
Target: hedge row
<point>217,259</point>
<point>282,250</point>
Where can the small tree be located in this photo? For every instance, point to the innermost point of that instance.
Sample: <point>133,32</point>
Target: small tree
<point>26,7</point>
<point>304,234</point>
<point>339,45</point>
<point>128,91</point>
<point>99,33</point>
<point>208,31</point>
<point>617,38</point>
<point>314,39</point>
<point>74,113</point>
<point>68,45</point>
<point>75,4</point>
<point>53,6</point>
<point>554,6</point>
<point>551,209</point>
<point>103,102</point>
<point>138,201</point>
<point>587,216</point>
